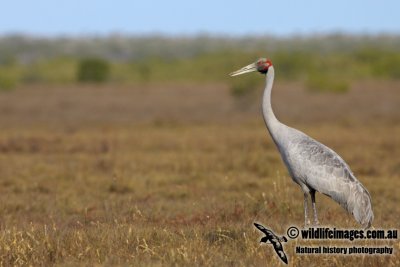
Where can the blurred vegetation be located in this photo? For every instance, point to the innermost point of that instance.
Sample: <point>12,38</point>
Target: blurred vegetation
<point>323,63</point>
<point>7,82</point>
<point>93,70</point>
<point>245,86</point>
<point>244,90</point>
<point>317,82</point>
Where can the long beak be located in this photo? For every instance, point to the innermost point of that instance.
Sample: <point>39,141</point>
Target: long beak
<point>249,68</point>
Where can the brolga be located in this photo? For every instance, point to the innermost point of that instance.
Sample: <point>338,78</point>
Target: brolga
<point>312,165</point>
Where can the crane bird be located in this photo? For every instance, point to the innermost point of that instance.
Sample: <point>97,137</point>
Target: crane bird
<point>312,165</point>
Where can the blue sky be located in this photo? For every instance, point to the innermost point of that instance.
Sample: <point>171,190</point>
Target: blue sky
<point>235,17</point>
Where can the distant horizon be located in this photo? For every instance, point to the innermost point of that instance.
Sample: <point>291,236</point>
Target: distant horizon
<point>198,35</point>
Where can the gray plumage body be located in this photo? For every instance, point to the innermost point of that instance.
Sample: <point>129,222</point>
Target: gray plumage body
<point>315,167</point>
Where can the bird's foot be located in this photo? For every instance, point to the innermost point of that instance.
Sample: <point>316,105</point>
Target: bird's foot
<point>307,223</point>
<point>316,223</point>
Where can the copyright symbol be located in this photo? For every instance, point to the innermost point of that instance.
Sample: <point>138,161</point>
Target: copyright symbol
<point>292,232</point>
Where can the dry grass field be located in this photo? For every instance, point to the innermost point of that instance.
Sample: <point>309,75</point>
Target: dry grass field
<point>176,175</point>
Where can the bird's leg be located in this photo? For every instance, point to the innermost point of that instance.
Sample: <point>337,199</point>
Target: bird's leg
<point>316,222</point>
<point>306,220</point>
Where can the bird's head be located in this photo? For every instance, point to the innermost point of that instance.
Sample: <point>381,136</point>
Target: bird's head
<point>261,65</point>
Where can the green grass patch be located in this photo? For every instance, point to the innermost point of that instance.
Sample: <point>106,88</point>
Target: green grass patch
<point>317,82</point>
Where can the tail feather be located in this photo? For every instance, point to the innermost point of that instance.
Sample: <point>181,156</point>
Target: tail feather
<point>360,206</point>
<point>356,200</point>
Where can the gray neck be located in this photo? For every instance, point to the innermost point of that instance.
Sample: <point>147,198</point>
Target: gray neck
<point>271,121</point>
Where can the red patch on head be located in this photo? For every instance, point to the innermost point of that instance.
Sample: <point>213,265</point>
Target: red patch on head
<point>263,65</point>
